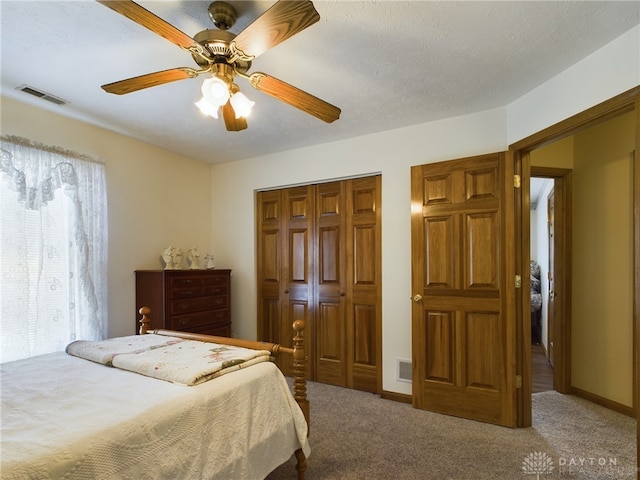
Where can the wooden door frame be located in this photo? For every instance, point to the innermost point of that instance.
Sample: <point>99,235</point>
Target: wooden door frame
<point>519,152</point>
<point>562,178</point>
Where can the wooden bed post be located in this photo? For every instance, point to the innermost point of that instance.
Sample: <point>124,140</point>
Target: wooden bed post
<point>300,389</point>
<point>299,371</point>
<point>144,321</point>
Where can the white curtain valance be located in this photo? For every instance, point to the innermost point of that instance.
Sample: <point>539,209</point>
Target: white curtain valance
<point>36,176</point>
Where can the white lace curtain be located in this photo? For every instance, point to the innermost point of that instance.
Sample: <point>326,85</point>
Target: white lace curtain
<point>53,248</point>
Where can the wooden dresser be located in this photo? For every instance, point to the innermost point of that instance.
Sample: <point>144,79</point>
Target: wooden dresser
<point>187,300</point>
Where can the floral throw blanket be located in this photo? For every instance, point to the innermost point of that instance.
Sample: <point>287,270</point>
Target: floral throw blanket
<point>186,362</point>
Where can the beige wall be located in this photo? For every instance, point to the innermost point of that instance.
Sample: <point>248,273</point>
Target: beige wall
<point>155,198</point>
<point>557,154</point>
<point>602,288</point>
<point>602,254</point>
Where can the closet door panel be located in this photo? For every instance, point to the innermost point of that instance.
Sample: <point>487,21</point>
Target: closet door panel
<point>269,209</point>
<point>270,310</point>
<point>329,252</point>
<point>364,368</point>
<point>363,286</point>
<point>297,292</point>
<point>330,283</point>
<point>330,343</point>
<point>296,309</point>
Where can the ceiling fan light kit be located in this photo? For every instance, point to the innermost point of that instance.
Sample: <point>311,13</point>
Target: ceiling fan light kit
<point>241,105</point>
<point>215,91</point>
<point>219,89</point>
<point>224,56</point>
<point>207,108</point>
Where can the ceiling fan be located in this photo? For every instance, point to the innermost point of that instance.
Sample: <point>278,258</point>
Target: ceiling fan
<point>224,56</point>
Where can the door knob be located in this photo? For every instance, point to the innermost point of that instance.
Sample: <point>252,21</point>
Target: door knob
<point>417,298</point>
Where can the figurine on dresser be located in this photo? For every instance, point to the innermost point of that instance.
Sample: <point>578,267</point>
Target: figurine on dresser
<point>194,258</point>
<point>167,257</point>
<point>172,258</point>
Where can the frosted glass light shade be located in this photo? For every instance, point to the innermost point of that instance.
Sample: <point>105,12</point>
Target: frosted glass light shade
<point>207,108</point>
<point>215,91</point>
<point>241,105</point>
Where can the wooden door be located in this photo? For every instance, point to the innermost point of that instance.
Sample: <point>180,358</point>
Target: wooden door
<point>269,248</point>
<point>551,277</point>
<point>285,267</point>
<point>364,315</point>
<point>297,294</point>
<point>318,259</point>
<point>331,332</point>
<point>463,330</point>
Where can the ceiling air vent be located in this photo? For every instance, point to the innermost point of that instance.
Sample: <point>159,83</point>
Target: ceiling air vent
<point>45,96</point>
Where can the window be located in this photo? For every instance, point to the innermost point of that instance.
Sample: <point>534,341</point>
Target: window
<point>53,250</point>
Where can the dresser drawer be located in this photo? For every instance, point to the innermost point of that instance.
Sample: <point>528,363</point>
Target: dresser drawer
<point>193,320</point>
<point>197,304</point>
<point>185,282</point>
<point>217,280</point>
<point>187,292</point>
<point>216,289</point>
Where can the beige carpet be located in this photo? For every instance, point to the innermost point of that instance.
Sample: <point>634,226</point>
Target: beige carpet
<point>358,436</point>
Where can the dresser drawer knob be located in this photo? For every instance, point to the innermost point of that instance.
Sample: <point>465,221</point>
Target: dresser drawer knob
<point>184,321</point>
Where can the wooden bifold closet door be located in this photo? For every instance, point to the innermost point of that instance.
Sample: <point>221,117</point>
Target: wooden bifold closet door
<point>319,260</point>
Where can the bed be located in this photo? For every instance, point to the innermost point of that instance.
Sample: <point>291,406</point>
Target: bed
<point>67,417</point>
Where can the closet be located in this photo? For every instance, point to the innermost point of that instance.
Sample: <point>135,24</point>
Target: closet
<point>318,260</point>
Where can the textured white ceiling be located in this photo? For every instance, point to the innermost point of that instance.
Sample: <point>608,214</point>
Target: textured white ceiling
<point>386,64</point>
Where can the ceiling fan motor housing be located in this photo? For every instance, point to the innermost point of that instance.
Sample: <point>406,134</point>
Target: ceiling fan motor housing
<point>217,43</point>
<point>222,15</point>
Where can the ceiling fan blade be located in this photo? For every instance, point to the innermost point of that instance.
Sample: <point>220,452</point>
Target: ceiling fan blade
<point>144,17</point>
<point>282,21</point>
<point>232,123</point>
<point>294,97</point>
<point>149,80</point>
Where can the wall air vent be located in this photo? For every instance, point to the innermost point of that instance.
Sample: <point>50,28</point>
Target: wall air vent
<point>403,370</point>
<point>40,94</point>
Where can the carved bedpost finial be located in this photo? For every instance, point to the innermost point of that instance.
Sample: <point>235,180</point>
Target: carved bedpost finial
<point>144,321</point>
<point>299,370</point>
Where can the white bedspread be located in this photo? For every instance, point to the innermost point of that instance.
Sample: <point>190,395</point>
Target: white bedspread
<point>65,417</point>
